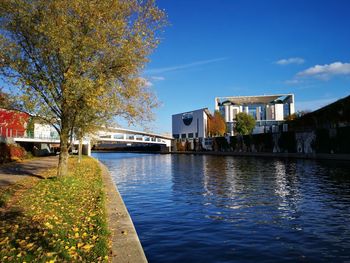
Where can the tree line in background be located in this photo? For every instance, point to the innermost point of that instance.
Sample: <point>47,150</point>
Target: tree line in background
<point>76,64</point>
<point>244,124</point>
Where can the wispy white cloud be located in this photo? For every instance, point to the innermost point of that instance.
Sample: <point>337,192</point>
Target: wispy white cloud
<point>288,61</point>
<point>326,71</point>
<point>157,78</point>
<point>184,66</point>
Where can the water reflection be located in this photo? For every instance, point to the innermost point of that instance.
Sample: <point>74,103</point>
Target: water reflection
<point>237,183</point>
<point>227,209</point>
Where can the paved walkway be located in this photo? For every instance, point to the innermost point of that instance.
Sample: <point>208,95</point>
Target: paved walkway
<point>10,173</point>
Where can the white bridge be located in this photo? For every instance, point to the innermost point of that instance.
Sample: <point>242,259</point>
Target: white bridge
<point>127,136</point>
<point>120,136</point>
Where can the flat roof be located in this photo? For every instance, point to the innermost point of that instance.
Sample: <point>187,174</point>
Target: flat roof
<point>264,99</point>
<point>202,109</point>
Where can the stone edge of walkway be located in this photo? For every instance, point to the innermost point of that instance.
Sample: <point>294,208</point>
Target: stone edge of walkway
<point>125,243</point>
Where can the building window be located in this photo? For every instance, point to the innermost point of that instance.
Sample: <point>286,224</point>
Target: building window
<point>118,136</point>
<point>176,136</point>
<point>286,110</point>
<point>190,135</point>
<point>196,134</point>
<point>252,112</point>
<point>183,136</point>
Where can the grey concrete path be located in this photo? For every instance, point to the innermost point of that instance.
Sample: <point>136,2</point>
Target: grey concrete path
<point>10,173</point>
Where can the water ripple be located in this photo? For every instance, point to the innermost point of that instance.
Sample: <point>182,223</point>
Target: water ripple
<point>230,209</point>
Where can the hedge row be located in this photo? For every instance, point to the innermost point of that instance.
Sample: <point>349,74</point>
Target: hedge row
<point>11,152</point>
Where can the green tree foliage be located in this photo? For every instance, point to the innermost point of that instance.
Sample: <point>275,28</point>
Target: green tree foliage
<point>216,124</point>
<point>76,61</point>
<point>245,123</point>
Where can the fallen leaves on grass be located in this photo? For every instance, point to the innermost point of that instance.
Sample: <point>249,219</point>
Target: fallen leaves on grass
<point>59,219</point>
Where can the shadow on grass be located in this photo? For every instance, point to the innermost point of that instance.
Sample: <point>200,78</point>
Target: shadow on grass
<point>25,239</point>
<point>8,171</point>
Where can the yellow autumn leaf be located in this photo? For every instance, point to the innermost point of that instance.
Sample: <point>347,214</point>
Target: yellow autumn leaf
<point>88,247</point>
<point>29,245</point>
<point>50,254</point>
<point>48,225</point>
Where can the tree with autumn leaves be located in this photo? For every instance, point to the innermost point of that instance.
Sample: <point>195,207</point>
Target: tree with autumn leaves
<point>77,63</point>
<point>245,123</point>
<point>216,125</point>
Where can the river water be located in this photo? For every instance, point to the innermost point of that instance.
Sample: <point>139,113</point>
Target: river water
<point>189,208</point>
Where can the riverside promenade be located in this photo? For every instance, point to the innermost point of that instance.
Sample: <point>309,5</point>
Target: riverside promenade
<point>11,173</point>
<point>125,244</point>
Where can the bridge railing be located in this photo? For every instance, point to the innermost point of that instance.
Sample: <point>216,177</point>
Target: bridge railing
<point>130,138</point>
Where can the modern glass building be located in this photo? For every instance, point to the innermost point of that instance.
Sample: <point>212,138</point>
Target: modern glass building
<point>190,125</point>
<point>269,111</point>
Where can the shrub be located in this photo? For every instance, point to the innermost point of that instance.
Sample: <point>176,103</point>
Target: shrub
<point>11,152</point>
<point>181,146</point>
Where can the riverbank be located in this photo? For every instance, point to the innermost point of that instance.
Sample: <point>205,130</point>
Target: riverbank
<point>55,219</point>
<point>316,156</point>
<point>125,244</point>
<point>80,217</point>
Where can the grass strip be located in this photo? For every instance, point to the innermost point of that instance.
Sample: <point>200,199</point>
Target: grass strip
<point>58,219</point>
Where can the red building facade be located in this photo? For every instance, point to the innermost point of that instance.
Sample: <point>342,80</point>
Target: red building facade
<point>13,123</point>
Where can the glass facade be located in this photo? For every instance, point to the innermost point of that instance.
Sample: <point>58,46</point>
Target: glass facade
<point>286,110</point>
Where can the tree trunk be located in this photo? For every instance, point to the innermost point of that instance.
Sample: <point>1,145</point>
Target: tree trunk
<point>63,158</point>
<point>80,149</point>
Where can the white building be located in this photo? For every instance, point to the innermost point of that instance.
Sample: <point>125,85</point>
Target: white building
<point>268,110</point>
<point>190,125</point>
<point>44,131</point>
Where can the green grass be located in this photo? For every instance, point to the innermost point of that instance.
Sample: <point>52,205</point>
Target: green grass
<point>58,219</point>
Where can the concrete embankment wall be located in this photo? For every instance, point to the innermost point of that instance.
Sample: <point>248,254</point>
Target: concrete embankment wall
<point>126,246</point>
<point>318,144</point>
<point>340,157</point>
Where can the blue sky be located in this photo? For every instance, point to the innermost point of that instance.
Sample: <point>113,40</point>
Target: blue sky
<point>216,48</point>
<point>246,47</point>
